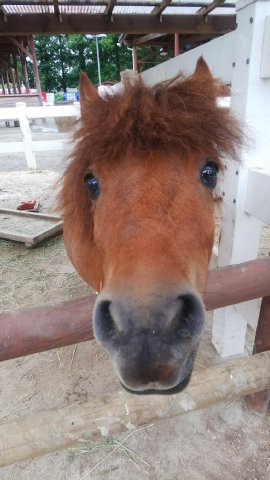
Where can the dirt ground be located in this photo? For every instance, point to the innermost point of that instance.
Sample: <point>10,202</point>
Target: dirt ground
<point>224,442</point>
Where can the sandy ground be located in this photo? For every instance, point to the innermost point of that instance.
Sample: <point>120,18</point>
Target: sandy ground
<point>225,442</point>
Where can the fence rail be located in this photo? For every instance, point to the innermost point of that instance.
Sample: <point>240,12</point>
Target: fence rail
<point>28,145</point>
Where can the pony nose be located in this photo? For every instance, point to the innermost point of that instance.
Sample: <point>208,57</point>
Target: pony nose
<point>170,319</point>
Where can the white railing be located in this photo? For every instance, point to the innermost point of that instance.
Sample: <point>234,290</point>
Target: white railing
<point>23,113</point>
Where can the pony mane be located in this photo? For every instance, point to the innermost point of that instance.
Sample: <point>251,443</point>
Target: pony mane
<point>178,115</point>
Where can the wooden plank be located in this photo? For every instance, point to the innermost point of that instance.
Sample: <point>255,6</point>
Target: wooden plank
<point>42,328</point>
<point>237,283</point>
<point>258,194</point>
<point>39,329</point>
<point>18,237</point>
<point>48,233</point>
<point>34,435</point>
<point>14,147</point>
<point>144,39</point>
<point>35,237</point>
<point>161,7</point>
<point>99,23</point>
<point>265,59</point>
<point>27,136</point>
<point>48,146</point>
<point>220,65</point>
<point>22,213</point>
<point>36,146</point>
<point>53,111</point>
<point>259,401</point>
<point>209,8</point>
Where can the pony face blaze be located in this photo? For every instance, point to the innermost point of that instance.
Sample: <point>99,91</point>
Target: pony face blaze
<point>143,173</point>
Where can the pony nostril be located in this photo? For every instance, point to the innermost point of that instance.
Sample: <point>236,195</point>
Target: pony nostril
<point>104,324</point>
<point>189,317</point>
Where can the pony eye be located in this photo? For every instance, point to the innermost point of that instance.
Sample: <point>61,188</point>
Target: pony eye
<point>209,174</point>
<point>92,185</point>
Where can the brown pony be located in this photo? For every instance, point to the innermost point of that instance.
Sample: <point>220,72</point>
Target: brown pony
<point>138,207</point>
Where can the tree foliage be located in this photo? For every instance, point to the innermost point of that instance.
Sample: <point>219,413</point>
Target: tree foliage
<point>62,57</point>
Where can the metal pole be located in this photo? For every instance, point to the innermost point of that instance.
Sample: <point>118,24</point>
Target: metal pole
<point>98,62</point>
<point>134,59</point>
<point>176,44</point>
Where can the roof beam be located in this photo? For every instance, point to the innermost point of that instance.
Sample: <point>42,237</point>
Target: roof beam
<point>144,39</point>
<point>100,3</point>
<point>21,47</point>
<point>109,7</point>
<point>3,15</point>
<point>30,24</point>
<point>56,10</point>
<point>161,7</point>
<point>209,8</point>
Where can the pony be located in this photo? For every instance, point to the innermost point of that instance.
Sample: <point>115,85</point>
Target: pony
<point>138,207</point>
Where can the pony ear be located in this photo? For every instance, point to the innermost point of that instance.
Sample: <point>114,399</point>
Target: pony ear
<point>202,70</point>
<point>88,93</point>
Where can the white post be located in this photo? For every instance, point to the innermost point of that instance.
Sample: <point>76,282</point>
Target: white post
<point>240,232</point>
<point>27,136</point>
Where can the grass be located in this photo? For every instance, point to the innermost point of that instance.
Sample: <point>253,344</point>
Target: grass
<point>106,448</point>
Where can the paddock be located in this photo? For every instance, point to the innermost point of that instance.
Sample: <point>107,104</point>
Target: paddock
<point>84,378</point>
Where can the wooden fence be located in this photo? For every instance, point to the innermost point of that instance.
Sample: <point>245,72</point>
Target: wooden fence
<point>23,113</point>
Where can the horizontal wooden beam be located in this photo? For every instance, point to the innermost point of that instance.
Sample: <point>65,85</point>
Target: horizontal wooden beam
<point>157,39</point>
<point>144,39</point>
<point>29,24</point>
<point>42,328</point>
<point>98,3</point>
<point>48,431</point>
<point>209,8</point>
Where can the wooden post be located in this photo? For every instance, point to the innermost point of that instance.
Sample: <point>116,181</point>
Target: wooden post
<point>27,136</point>
<point>7,81</point>
<point>35,67</point>
<point>36,74</point>
<point>49,431</point>
<point>16,72</point>
<point>12,79</point>
<point>25,73</point>
<point>259,401</point>
<point>3,84</point>
<point>176,45</point>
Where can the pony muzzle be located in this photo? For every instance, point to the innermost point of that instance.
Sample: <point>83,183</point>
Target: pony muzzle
<point>153,343</point>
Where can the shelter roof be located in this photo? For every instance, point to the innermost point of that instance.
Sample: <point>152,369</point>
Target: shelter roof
<point>201,17</point>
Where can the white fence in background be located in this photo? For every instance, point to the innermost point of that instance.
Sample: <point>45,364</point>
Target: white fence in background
<point>24,114</point>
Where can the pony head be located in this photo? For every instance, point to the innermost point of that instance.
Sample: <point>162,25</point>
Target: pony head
<point>138,208</point>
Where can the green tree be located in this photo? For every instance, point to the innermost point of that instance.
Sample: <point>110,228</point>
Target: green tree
<point>62,57</point>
